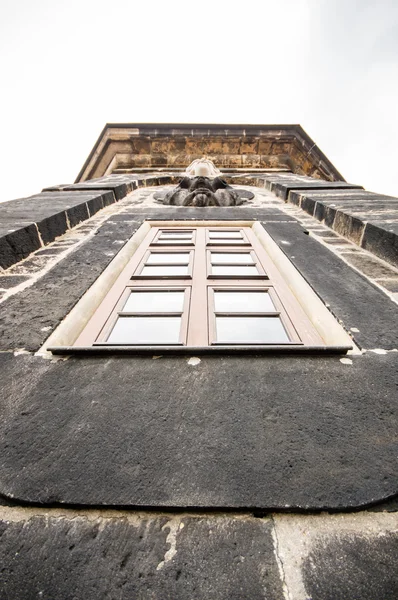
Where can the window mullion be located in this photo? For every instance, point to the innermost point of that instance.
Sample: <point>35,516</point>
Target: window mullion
<point>198,319</point>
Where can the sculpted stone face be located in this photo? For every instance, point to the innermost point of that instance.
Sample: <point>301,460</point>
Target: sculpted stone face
<point>202,186</point>
<point>202,191</point>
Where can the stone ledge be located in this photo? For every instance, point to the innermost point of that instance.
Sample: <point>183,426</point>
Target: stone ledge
<point>369,220</point>
<point>28,224</point>
<point>282,184</point>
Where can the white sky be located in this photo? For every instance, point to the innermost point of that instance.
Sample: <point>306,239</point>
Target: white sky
<point>68,67</point>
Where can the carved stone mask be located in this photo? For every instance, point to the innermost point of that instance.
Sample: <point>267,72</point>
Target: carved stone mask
<point>203,190</point>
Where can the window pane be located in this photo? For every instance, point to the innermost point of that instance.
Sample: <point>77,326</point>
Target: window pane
<point>251,330</point>
<point>174,241</point>
<point>227,242</point>
<point>243,302</point>
<point>146,330</point>
<point>233,257</point>
<point>175,258</point>
<point>164,271</point>
<point>225,234</point>
<point>154,302</point>
<point>246,271</point>
<point>176,235</point>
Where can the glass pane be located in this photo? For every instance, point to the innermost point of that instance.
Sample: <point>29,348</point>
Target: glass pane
<point>250,330</point>
<point>225,234</point>
<point>176,234</point>
<point>225,242</point>
<point>145,330</point>
<point>232,257</point>
<point>243,302</point>
<point>175,258</point>
<point>246,271</point>
<point>154,302</point>
<point>174,241</point>
<point>164,271</point>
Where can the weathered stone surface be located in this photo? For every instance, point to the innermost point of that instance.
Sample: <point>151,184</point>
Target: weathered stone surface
<point>230,432</point>
<point>47,214</point>
<point>16,245</point>
<point>372,267</point>
<point>45,304</point>
<point>351,298</point>
<point>119,185</point>
<point>282,189</point>
<point>178,144</point>
<point>368,219</point>
<point>219,557</point>
<point>381,238</point>
<point>389,284</point>
<point>11,281</point>
<point>353,566</point>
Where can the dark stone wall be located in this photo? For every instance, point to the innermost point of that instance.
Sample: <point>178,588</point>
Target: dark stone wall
<point>241,433</point>
<point>233,432</point>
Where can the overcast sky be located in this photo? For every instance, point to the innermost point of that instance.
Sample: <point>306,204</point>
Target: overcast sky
<point>67,68</point>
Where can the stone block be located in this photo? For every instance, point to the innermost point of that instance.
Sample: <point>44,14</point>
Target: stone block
<point>251,160</point>
<point>159,160</point>
<point>142,557</point>
<point>18,244</point>
<point>141,160</point>
<point>77,214</point>
<point>52,227</point>
<point>282,189</point>
<point>140,145</point>
<point>390,284</point>
<point>349,226</point>
<point>371,266</point>
<point>7,282</point>
<point>249,145</point>
<point>265,146</point>
<point>381,238</point>
<point>345,566</point>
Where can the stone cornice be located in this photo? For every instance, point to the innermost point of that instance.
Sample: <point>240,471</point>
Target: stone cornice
<point>125,147</point>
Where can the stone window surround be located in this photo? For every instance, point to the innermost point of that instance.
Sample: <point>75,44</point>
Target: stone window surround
<point>335,338</point>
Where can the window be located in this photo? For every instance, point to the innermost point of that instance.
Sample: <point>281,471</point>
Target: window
<point>201,287</point>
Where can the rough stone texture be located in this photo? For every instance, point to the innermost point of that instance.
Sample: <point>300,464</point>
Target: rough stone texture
<point>46,303</point>
<point>51,213</point>
<point>11,281</point>
<point>146,558</point>
<point>389,284</point>
<point>18,243</point>
<point>230,432</point>
<point>381,238</point>
<point>339,568</point>
<point>283,188</point>
<point>120,185</point>
<point>133,146</point>
<point>372,267</point>
<point>370,220</point>
<point>351,297</point>
<point>28,223</point>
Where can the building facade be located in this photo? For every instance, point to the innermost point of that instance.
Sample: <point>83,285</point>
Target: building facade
<point>199,373</point>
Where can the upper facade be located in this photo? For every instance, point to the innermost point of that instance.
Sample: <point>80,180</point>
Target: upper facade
<point>132,147</point>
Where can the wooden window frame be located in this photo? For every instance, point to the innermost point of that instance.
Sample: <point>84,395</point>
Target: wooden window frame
<point>227,242</point>
<point>169,250</point>
<point>117,313</point>
<point>186,243</point>
<point>198,315</point>
<point>233,250</point>
<point>279,311</point>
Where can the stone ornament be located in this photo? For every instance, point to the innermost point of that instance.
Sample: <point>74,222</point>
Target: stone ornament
<point>202,167</point>
<point>202,186</point>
